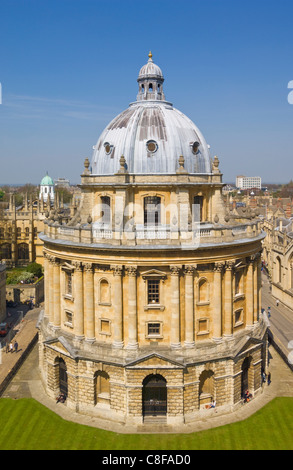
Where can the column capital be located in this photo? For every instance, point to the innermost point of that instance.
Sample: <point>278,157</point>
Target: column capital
<point>189,269</point>
<point>117,269</point>
<point>218,267</point>
<point>175,270</point>
<point>88,267</point>
<point>229,265</point>
<point>131,270</point>
<point>77,265</point>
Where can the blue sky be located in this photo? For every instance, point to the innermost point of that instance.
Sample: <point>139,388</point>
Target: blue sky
<point>68,67</point>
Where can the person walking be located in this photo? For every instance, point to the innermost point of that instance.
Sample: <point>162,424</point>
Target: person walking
<point>277,303</point>
<point>15,346</point>
<point>10,346</point>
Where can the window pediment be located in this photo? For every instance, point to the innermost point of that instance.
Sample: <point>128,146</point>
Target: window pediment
<point>154,273</point>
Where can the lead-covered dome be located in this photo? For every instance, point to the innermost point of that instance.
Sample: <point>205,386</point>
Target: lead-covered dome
<point>151,134</point>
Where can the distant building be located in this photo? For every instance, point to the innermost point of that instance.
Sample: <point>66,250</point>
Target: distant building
<point>2,291</point>
<point>62,183</point>
<point>47,189</point>
<point>248,182</point>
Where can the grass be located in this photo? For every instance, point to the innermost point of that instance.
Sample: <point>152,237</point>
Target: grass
<point>28,425</point>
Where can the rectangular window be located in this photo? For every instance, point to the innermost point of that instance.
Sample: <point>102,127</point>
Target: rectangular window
<point>153,291</point>
<point>154,329</point>
<point>152,210</point>
<point>197,208</point>
<point>68,283</point>
<point>238,317</point>
<point>105,327</point>
<point>69,319</point>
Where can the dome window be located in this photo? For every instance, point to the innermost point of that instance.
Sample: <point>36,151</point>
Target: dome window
<point>152,146</point>
<point>108,148</point>
<point>194,146</point>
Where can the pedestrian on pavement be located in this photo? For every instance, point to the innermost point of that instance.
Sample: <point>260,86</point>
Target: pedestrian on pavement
<point>277,303</point>
<point>10,346</point>
<point>15,346</point>
<point>269,312</point>
<point>269,378</point>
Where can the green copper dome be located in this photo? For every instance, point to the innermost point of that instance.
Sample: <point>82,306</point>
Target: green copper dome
<point>47,181</point>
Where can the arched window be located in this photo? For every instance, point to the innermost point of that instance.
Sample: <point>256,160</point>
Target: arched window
<point>105,294</point>
<point>5,251</point>
<point>23,251</point>
<point>152,210</point>
<point>101,386</point>
<point>150,87</point>
<point>203,291</point>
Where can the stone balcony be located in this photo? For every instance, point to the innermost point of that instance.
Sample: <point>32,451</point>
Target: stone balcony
<point>204,234</point>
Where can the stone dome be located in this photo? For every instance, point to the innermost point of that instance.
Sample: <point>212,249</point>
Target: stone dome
<point>151,134</point>
<point>150,69</point>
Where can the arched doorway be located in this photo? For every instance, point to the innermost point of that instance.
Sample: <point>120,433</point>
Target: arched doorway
<point>63,381</point>
<point>245,375</point>
<point>154,396</point>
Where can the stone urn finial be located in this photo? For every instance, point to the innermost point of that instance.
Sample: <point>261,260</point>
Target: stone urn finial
<point>216,165</point>
<point>86,167</point>
<point>181,168</point>
<point>123,165</point>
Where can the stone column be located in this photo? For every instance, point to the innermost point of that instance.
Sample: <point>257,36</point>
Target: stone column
<point>118,306</point>
<point>47,285</point>
<point>175,307</point>
<point>189,306</point>
<point>56,295</point>
<point>249,292</point>
<point>89,303</point>
<point>132,307</point>
<point>78,299</point>
<point>228,301</point>
<point>51,289</point>
<point>217,320</point>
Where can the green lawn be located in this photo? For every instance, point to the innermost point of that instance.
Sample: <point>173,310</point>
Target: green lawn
<point>28,425</point>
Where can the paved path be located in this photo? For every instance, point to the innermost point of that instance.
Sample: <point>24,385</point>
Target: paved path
<point>26,383</point>
<point>281,320</point>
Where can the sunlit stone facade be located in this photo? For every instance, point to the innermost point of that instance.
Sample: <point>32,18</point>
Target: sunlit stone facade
<point>152,290</point>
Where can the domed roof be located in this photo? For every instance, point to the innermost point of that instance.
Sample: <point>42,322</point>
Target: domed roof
<point>47,181</point>
<point>150,69</point>
<point>151,134</point>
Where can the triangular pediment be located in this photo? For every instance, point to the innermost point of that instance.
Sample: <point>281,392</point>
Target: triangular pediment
<point>61,345</point>
<point>154,273</point>
<point>155,360</point>
<point>246,344</point>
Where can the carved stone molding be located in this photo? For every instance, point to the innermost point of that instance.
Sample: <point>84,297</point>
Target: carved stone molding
<point>117,270</point>
<point>218,267</point>
<point>175,270</point>
<point>190,269</point>
<point>88,267</point>
<point>131,271</point>
<point>77,265</point>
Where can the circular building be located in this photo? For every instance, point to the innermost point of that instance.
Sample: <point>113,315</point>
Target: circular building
<point>152,289</point>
